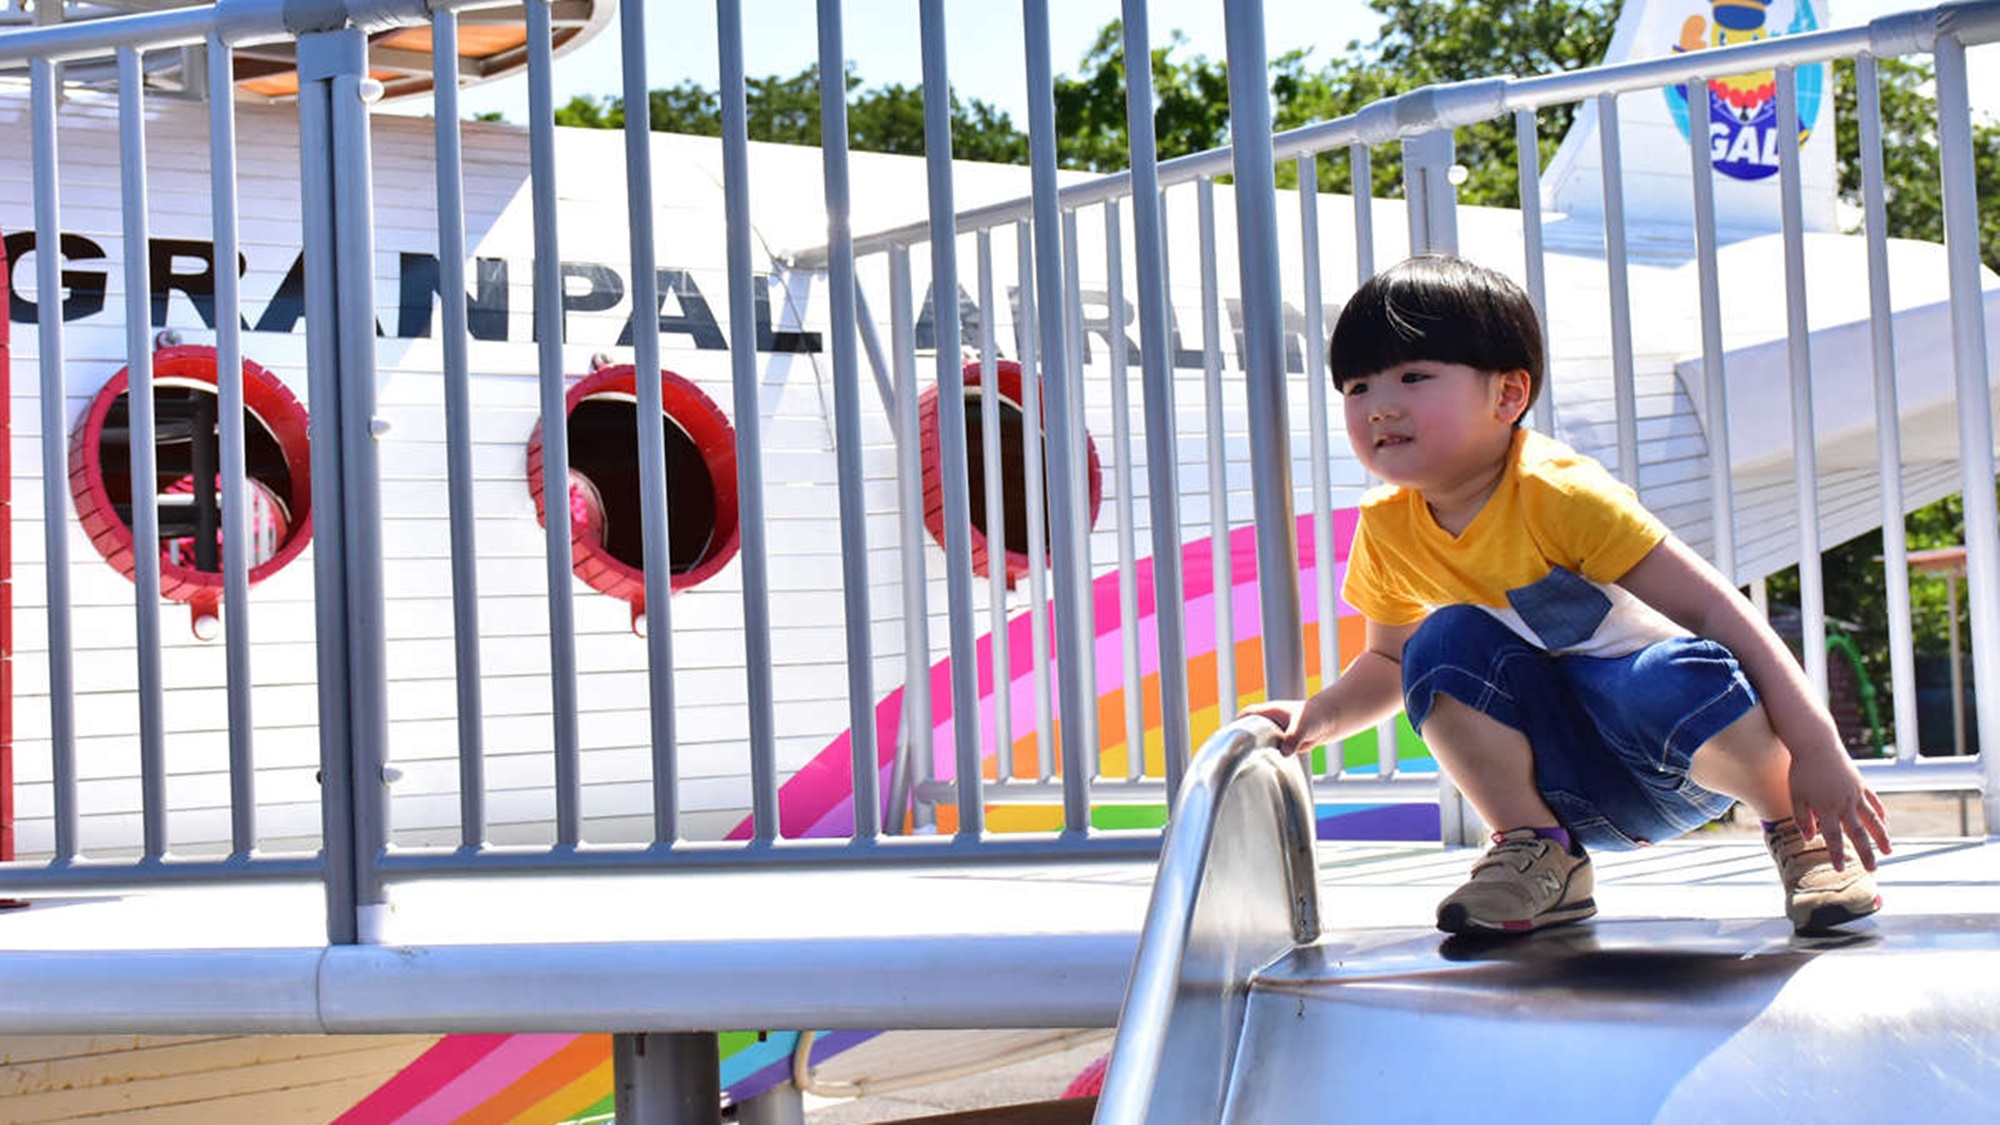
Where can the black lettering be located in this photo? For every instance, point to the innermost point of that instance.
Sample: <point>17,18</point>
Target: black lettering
<point>86,288</point>
<point>1184,356</point>
<point>603,289</point>
<point>968,320</point>
<point>199,286</point>
<point>695,319</point>
<point>1295,331</point>
<point>773,341</point>
<point>1110,321</point>
<point>288,304</point>
<point>421,283</point>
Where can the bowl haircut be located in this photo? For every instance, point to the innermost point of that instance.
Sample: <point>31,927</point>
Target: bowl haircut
<point>1443,309</point>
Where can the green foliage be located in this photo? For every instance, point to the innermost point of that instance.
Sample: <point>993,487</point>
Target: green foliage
<point>1433,41</point>
<point>785,109</point>
<point>1912,202</point>
<point>1854,595</point>
<point>1191,100</point>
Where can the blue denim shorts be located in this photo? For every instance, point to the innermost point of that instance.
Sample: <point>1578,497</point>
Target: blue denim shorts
<point>1612,736</point>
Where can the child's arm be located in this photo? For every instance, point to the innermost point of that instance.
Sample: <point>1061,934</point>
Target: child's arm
<point>1370,690</point>
<point>1827,791</point>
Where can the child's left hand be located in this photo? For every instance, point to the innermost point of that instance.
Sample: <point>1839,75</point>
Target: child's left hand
<point>1828,797</point>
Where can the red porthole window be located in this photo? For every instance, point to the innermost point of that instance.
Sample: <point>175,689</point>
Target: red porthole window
<point>277,463</point>
<point>608,551</point>
<point>1013,469</point>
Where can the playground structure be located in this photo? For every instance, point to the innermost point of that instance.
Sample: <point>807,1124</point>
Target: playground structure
<point>446,724</point>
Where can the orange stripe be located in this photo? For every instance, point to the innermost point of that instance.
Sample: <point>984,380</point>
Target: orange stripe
<point>575,1097</point>
<point>559,1070</point>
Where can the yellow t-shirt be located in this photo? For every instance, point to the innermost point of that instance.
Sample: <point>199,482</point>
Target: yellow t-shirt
<point>1543,555</point>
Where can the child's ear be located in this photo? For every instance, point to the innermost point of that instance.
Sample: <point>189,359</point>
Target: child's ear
<point>1512,401</point>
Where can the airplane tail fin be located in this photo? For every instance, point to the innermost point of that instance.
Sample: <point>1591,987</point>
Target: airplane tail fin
<point>1739,122</point>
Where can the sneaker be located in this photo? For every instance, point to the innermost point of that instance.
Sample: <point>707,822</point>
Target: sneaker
<point>1523,883</point>
<point>1816,896</point>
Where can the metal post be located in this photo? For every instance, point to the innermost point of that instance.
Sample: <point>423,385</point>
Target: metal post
<point>952,466</point>
<point>666,1078</point>
<point>1264,343</point>
<point>340,359</point>
<point>842,304</point>
<point>755,560</point>
<point>780,1105</point>
<point>1157,378</point>
<point>1805,449</point>
<point>1622,375</point>
<point>1975,421</point>
<point>1429,194</point>
<point>1072,647</point>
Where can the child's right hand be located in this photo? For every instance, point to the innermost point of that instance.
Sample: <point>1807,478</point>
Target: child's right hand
<point>1283,712</point>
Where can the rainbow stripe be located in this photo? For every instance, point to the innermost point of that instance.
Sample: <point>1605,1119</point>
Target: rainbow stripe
<point>818,800</point>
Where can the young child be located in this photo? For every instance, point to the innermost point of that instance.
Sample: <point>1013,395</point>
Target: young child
<point>1584,677</point>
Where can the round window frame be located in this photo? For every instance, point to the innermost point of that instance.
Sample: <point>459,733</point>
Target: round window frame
<point>704,423</point>
<point>264,396</point>
<point>1008,376</point>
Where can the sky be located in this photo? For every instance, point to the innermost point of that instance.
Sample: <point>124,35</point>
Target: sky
<point>984,47</point>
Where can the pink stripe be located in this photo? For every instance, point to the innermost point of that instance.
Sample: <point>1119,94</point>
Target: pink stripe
<point>422,1078</point>
<point>479,1083</point>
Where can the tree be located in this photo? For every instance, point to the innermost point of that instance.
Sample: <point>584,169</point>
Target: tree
<point>1191,102</point>
<point>1913,202</point>
<point>785,109</point>
<point>1432,41</point>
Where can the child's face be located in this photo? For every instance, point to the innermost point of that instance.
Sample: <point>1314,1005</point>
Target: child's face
<point>1429,425</point>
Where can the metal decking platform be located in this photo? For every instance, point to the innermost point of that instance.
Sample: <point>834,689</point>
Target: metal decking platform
<point>1047,946</point>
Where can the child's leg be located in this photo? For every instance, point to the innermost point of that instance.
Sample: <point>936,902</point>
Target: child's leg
<point>1490,762</point>
<point>1746,761</point>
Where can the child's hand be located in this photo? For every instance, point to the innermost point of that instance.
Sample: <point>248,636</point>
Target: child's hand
<point>1828,797</point>
<point>1285,713</point>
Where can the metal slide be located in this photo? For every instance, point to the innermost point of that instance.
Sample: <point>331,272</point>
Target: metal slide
<point>1241,1009</point>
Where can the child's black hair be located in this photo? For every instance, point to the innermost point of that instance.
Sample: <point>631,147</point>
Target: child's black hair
<point>1441,308</point>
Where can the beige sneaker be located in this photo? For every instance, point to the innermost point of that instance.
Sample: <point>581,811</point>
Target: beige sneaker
<point>1523,883</point>
<point>1816,896</point>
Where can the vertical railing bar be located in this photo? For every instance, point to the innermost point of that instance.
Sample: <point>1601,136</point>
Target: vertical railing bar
<point>953,466</point>
<point>55,470</point>
<point>454,335</point>
<point>1528,167</point>
<point>1362,176</point>
<point>749,444</point>
<point>1714,373</point>
<point>1222,586</point>
<point>1276,533</point>
<point>351,91</point>
<point>841,305</point>
<point>1360,158</point>
<point>992,482</point>
<point>655,502</point>
<point>1798,350</point>
<point>1071,579</point>
<point>1078,568</point>
<point>1133,682</point>
<point>144,460</point>
<point>347,848</point>
<point>916,721</point>
<point>1888,427</point>
<point>1975,419</point>
<point>555,431</point>
<point>1318,434</point>
<point>1157,367</point>
<point>1623,379</point>
<point>229,395</point>
<point>1033,460</point>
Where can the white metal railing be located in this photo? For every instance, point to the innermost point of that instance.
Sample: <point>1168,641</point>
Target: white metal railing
<point>1051,240</point>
